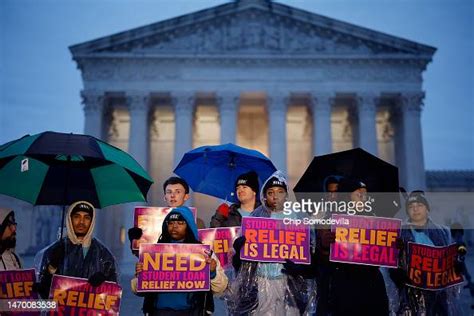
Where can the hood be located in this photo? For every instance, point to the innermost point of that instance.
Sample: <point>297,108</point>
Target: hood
<point>188,217</point>
<point>4,214</point>
<point>281,177</point>
<point>86,242</point>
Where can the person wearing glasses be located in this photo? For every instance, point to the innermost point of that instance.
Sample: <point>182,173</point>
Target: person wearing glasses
<point>179,227</point>
<point>9,259</point>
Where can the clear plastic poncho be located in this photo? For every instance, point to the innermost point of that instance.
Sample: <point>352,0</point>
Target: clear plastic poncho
<point>261,288</point>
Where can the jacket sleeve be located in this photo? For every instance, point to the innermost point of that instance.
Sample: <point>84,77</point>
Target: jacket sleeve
<point>111,273</point>
<point>133,285</point>
<point>217,220</point>
<point>44,276</point>
<point>108,264</point>
<point>220,281</point>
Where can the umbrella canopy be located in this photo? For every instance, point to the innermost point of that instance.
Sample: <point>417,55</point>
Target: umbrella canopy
<point>378,175</point>
<point>213,170</point>
<point>58,169</point>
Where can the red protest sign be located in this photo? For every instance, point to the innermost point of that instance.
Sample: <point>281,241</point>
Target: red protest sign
<point>365,240</point>
<point>221,240</point>
<point>174,268</point>
<point>270,240</point>
<point>75,296</point>
<point>17,284</point>
<point>431,267</point>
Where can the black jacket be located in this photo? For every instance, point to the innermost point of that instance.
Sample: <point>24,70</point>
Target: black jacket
<point>202,303</point>
<point>74,264</point>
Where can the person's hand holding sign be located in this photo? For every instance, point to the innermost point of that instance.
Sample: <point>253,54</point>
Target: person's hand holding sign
<point>211,261</point>
<point>138,268</point>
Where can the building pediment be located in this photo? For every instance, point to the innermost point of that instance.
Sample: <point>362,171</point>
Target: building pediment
<point>252,27</point>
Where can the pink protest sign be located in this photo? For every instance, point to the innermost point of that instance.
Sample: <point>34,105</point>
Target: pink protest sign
<point>150,220</point>
<point>365,240</point>
<point>17,284</point>
<point>431,267</point>
<point>270,240</point>
<point>174,268</point>
<point>75,296</point>
<point>221,240</point>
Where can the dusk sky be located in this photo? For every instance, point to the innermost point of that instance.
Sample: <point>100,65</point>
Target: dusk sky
<point>40,84</point>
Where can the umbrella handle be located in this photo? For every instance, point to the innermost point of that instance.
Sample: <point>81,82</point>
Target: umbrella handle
<point>62,222</point>
<point>65,196</point>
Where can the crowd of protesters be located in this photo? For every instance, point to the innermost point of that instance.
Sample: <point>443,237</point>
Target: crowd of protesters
<point>257,288</point>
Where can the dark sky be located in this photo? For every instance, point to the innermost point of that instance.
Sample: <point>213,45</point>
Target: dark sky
<point>40,83</point>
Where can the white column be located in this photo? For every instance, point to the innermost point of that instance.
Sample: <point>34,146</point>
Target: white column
<point>138,108</point>
<point>367,134</point>
<point>411,106</point>
<point>277,107</point>
<point>228,109</point>
<point>399,142</point>
<point>94,112</point>
<point>93,125</point>
<point>138,138</point>
<point>322,135</point>
<point>184,110</point>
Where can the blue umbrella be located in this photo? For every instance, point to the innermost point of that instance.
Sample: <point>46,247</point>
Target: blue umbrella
<point>213,170</point>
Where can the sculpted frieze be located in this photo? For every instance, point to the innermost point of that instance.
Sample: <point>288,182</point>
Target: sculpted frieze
<point>251,32</point>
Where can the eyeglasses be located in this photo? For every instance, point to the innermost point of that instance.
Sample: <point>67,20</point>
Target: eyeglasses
<point>10,223</point>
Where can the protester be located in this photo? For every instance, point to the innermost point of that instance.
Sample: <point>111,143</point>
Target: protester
<point>176,191</point>
<point>421,229</point>
<point>457,234</point>
<point>354,289</point>
<point>10,260</point>
<point>246,189</point>
<point>320,265</point>
<point>78,254</point>
<point>262,288</point>
<point>331,188</point>
<point>179,227</point>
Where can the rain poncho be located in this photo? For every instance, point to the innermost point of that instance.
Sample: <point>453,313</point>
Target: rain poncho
<point>199,303</point>
<point>415,301</point>
<point>261,288</point>
<point>8,258</point>
<point>348,289</point>
<point>82,258</point>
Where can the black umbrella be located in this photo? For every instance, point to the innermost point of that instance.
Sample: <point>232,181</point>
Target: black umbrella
<point>378,175</point>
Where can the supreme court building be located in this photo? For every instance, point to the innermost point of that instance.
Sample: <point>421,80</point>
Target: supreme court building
<point>289,83</point>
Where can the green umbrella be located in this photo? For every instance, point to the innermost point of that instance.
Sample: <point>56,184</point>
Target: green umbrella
<point>58,169</point>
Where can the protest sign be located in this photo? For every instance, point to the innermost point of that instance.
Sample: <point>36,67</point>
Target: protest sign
<point>365,240</point>
<point>75,296</point>
<point>150,220</point>
<point>221,240</point>
<point>17,284</point>
<point>270,240</point>
<point>174,268</point>
<point>431,267</point>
